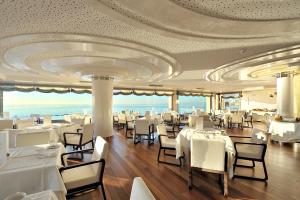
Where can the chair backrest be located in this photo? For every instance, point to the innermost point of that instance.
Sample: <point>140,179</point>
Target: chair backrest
<point>24,123</point>
<point>141,126</point>
<point>161,129</point>
<point>128,118</point>
<point>167,116</point>
<point>122,118</point>
<point>79,121</point>
<point>67,118</point>
<point>237,117</point>
<point>100,152</point>
<point>196,122</point>
<point>88,133</point>
<point>47,120</point>
<point>6,124</point>
<point>147,115</point>
<point>34,138</point>
<point>207,153</point>
<point>140,191</point>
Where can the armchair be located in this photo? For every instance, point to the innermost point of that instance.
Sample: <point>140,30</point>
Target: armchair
<point>129,126</point>
<point>79,139</point>
<point>140,191</point>
<point>85,176</point>
<point>253,150</point>
<point>143,128</point>
<point>208,155</point>
<point>165,143</point>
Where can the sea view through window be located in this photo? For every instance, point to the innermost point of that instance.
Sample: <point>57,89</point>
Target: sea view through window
<point>23,104</point>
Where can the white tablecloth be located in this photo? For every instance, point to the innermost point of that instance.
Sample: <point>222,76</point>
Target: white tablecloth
<point>32,169</point>
<point>184,137</point>
<point>285,131</point>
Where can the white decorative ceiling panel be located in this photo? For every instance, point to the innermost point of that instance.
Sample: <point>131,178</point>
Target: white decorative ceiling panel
<point>74,57</point>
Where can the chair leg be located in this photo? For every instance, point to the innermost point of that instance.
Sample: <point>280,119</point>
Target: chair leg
<point>190,179</point>
<point>253,163</point>
<point>225,184</point>
<point>265,170</point>
<point>234,164</point>
<point>158,156</point>
<point>103,191</point>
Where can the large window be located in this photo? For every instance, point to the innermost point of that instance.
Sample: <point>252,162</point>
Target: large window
<point>188,104</point>
<point>23,104</point>
<point>232,101</point>
<point>156,104</point>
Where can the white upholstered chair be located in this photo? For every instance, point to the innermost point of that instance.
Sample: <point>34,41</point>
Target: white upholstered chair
<point>143,128</point>
<point>6,124</point>
<point>129,125</point>
<point>147,115</point>
<point>140,191</point>
<point>208,155</point>
<point>24,123</point>
<point>78,120</point>
<point>121,120</point>
<point>79,139</point>
<point>47,121</point>
<point>167,118</point>
<point>87,175</point>
<point>165,143</point>
<point>237,118</point>
<point>252,150</point>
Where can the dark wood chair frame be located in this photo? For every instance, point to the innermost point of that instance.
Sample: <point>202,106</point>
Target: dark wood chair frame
<point>151,133</point>
<point>73,191</point>
<point>223,185</point>
<point>248,121</point>
<point>167,154</point>
<point>128,129</point>
<point>240,125</point>
<point>77,146</point>
<point>262,160</point>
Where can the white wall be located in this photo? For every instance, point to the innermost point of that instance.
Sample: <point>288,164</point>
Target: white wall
<point>258,99</point>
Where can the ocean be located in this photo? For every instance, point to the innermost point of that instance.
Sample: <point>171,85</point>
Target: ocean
<point>58,111</point>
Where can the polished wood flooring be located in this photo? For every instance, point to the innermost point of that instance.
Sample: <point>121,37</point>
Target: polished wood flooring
<point>126,161</point>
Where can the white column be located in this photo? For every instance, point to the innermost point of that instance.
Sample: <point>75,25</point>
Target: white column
<point>285,95</point>
<point>102,90</point>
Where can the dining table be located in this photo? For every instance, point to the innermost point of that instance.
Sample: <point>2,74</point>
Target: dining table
<point>33,169</point>
<point>183,140</point>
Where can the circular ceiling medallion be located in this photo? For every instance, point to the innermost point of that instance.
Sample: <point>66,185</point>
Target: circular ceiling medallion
<point>79,57</point>
<point>261,10</point>
<point>262,67</point>
<point>233,19</point>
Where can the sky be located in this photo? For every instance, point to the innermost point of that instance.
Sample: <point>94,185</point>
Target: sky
<point>37,98</point>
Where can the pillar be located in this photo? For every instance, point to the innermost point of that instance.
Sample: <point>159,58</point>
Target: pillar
<point>102,94</point>
<point>1,103</point>
<point>297,96</point>
<point>285,94</point>
<point>175,102</point>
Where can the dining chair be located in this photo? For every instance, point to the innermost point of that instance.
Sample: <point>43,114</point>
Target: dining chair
<point>121,120</point>
<point>208,155</point>
<point>140,191</point>
<point>80,138</point>
<point>24,123</point>
<point>165,143</point>
<point>143,128</point>
<point>253,150</point>
<point>87,175</point>
<point>236,118</point>
<point>47,120</point>
<point>129,126</point>
<point>6,124</point>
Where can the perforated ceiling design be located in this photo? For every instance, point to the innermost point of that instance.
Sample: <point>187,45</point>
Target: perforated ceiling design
<point>245,9</point>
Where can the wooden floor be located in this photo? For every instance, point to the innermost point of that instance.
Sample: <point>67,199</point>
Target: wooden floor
<point>126,161</point>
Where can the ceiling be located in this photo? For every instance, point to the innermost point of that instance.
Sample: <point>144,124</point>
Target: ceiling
<point>181,44</point>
